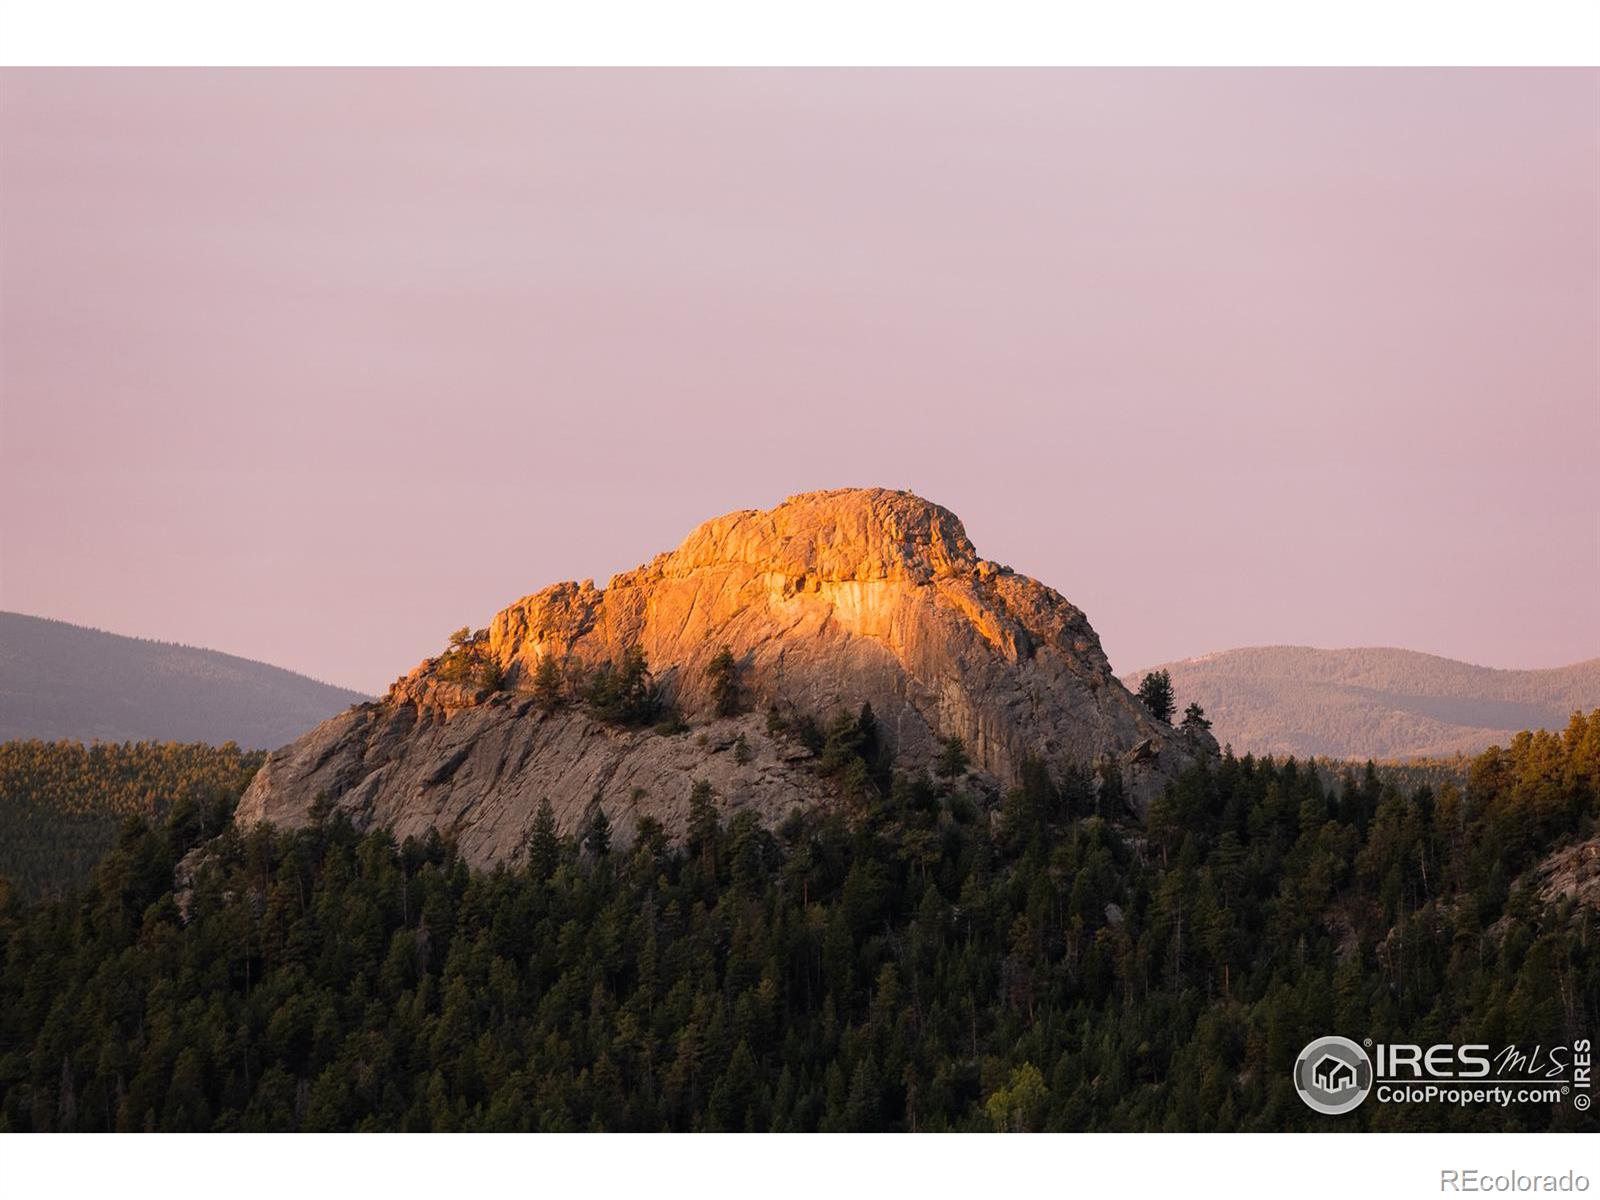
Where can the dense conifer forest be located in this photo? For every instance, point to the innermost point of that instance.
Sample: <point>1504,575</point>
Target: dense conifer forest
<point>921,957</point>
<point>61,802</point>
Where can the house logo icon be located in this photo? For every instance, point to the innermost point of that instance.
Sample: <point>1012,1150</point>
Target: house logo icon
<point>1333,1075</point>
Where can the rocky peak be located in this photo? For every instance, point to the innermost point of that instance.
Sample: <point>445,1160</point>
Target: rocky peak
<point>878,577</point>
<point>829,600</point>
<point>848,534</point>
<point>829,543</point>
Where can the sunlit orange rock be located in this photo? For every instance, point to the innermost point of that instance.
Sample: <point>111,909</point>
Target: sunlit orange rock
<point>828,601</point>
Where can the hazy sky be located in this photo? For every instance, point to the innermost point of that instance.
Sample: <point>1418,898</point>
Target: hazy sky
<point>316,367</point>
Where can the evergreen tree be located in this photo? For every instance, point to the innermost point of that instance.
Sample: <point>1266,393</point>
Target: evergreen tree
<point>953,761</point>
<point>704,825</point>
<point>544,849</point>
<point>623,692</point>
<point>548,685</point>
<point>722,676</point>
<point>1155,693</point>
<point>599,835</point>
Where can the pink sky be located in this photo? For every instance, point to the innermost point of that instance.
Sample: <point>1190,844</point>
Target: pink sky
<point>315,367</point>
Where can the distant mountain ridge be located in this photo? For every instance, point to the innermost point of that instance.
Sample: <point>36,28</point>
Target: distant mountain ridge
<point>1372,702</point>
<point>63,681</point>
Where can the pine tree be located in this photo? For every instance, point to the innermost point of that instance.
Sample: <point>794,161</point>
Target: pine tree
<point>704,826</point>
<point>1155,692</point>
<point>953,759</point>
<point>722,676</point>
<point>599,836</point>
<point>544,850</point>
<point>548,691</point>
<point>623,692</point>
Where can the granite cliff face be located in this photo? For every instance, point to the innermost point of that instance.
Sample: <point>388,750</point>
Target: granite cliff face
<point>828,601</point>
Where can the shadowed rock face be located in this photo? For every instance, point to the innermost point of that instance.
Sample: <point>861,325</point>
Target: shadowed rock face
<point>828,601</point>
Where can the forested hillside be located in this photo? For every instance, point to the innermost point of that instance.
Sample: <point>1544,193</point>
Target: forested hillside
<point>1373,702</point>
<point>61,802</point>
<point>914,961</point>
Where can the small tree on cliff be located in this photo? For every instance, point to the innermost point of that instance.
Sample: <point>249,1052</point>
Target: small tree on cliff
<point>1155,692</point>
<point>842,744</point>
<point>1194,717</point>
<point>623,693</point>
<point>722,674</point>
<point>455,663</point>
<point>547,684</point>
<point>953,760</point>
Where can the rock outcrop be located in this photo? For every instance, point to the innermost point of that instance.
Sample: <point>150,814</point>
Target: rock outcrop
<point>1571,873</point>
<point>828,601</point>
